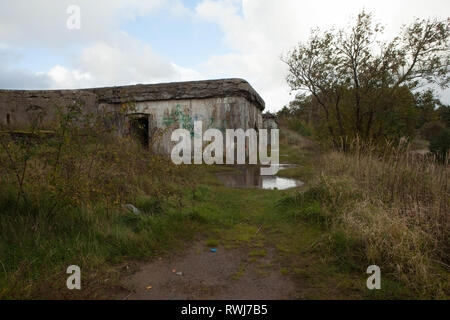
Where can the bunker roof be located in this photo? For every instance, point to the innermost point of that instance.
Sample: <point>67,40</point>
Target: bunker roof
<point>156,92</point>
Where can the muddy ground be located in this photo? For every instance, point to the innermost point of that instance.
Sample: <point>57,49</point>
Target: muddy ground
<point>198,273</point>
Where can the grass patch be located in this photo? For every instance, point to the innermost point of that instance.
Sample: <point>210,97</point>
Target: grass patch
<point>240,272</point>
<point>212,243</point>
<point>375,212</point>
<point>258,253</point>
<point>66,208</point>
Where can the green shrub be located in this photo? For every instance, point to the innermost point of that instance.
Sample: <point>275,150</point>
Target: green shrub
<point>61,198</point>
<point>149,205</point>
<point>440,145</point>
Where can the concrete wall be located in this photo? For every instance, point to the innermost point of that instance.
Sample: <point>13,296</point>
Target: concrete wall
<point>19,107</point>
<point>218,113</point>
<point>221,104</point>
<point>269,122</point>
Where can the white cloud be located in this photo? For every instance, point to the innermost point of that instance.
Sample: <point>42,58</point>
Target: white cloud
<point>108,56</point>
<point>256,32</point>
<point>185,74</point>
<point>124,62</point>
<point>178,9</point>
<point>260,31</point>
<point>43,22</point>
<point>64,78</point>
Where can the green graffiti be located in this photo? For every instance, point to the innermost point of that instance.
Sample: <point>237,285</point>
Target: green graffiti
<point>168,121</point>
<point>211,122</point>
<point>185,120</point>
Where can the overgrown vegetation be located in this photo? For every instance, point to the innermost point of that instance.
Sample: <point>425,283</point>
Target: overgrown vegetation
<point>353,84</point>
<point>62,198</point>
<point>369,198</point>
<point>61,203</point>
<point>385,207</point>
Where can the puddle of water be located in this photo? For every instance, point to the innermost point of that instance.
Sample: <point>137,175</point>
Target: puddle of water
<point>274,182</point>
<point>249,177</point>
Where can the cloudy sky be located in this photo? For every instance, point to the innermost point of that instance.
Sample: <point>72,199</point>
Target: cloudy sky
<point>149,41</point>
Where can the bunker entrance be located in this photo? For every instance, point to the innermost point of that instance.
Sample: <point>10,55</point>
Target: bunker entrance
<point>139,129</point>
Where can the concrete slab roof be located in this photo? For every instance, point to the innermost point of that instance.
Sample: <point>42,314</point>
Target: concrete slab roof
<point>162,91</point>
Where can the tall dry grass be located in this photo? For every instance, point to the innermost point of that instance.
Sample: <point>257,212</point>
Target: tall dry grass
<point>393,207</point>
<point>61,203</point>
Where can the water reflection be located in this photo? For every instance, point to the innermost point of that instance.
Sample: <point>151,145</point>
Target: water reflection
<point>249,177</point>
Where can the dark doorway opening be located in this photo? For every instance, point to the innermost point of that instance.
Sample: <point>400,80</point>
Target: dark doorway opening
<point>8,118</point>
<point>139,129</point>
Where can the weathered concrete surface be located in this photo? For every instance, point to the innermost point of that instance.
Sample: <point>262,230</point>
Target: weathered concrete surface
<point>17,107</point>
<point>181,91</point>
<point>219,113</point>
<point>220,104</point>
<point>16,104</point>
<point>270,121</point>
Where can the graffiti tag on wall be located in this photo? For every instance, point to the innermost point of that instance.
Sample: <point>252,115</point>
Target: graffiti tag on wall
<point>185,120</point>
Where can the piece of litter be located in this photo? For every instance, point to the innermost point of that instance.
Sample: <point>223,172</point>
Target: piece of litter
<point>174,270</point>
<point>131,208</point>
<point>148,288</point>
<point>179,273</point>
<point>213,250</point>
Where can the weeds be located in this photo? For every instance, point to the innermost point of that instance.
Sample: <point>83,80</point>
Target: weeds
<point>386,206</point>
<point>61,197</point>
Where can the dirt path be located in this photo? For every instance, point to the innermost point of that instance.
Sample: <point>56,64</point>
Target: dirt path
<point>225,274</point>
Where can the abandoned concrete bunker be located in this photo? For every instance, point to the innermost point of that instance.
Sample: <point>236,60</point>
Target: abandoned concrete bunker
<point>220,104</point>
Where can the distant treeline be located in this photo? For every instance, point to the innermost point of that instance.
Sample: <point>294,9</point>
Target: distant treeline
<point>351,84</point>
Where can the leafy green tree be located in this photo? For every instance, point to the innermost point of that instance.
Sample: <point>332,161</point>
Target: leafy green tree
<point>363,86</point>
<point>431,129</point>
<point>440,145</point>
<point>427,104</point>
<point>444,115</point>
